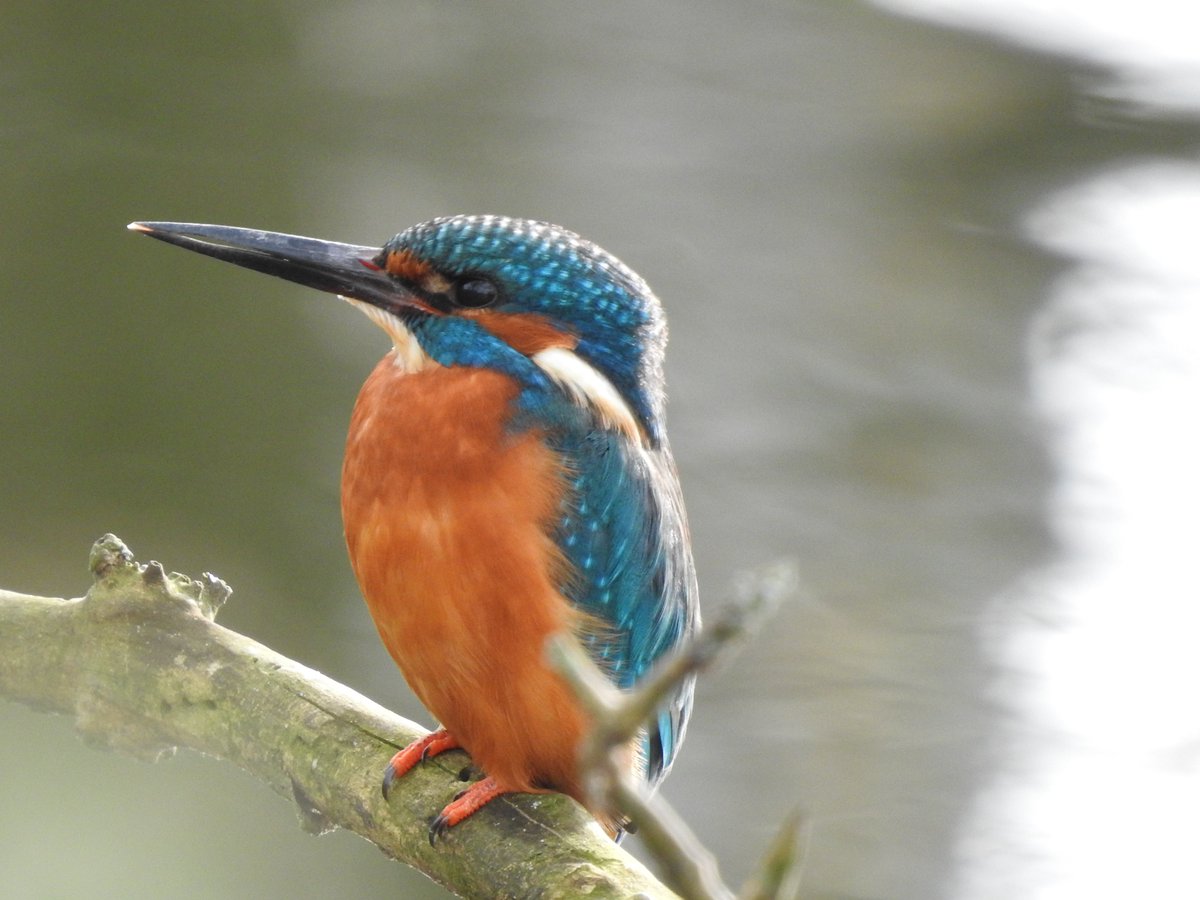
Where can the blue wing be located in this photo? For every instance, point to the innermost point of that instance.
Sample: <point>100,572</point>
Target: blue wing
<point>624,530</point>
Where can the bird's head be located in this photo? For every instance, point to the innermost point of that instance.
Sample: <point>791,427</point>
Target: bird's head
<point>529,298</point>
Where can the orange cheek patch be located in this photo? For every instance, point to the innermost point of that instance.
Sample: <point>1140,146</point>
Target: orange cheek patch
<point>527,333</point>
<point>404,264</point>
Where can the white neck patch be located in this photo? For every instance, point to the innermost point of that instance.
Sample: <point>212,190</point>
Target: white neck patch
<point>410,357</point>
<point>590,389</point>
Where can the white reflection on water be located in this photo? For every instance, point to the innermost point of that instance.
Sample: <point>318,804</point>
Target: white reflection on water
<point>1099,786</point>
<point>1150,46</point>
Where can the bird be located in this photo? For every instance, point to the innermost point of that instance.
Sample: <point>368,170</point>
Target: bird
<point>507,477</point>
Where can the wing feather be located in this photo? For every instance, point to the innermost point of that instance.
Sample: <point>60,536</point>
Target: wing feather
<point>624,531</point>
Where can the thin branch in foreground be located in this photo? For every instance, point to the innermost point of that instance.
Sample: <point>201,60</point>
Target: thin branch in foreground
<point>778,874</point>
<point>618,716</point>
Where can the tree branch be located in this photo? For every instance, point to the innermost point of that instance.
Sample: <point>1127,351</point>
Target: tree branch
<point>141,666</point>
<point>617,716</point>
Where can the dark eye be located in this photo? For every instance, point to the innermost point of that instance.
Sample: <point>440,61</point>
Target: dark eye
<point>473,292</point>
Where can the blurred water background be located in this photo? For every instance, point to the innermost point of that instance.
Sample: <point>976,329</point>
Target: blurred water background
<point>933,282</point>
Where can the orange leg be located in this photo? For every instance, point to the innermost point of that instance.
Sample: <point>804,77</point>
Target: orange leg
<point>418,751</point>
<point>464,805</point>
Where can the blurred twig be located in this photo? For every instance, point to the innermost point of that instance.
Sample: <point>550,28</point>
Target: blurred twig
<point>618,717</point>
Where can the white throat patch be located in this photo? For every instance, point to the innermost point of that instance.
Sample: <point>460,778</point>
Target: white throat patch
<point>410,357</point>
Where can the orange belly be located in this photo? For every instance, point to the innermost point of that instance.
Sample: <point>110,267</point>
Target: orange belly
<point>447,520</point>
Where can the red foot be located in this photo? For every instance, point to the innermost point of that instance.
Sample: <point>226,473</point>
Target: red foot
<point>418,751</point>
<point>463,806</point>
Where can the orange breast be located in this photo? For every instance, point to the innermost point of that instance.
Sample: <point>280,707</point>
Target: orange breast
<point>447,520</point>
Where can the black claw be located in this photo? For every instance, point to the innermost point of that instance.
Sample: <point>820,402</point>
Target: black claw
<point>437,828</point>
<point>388,777</point>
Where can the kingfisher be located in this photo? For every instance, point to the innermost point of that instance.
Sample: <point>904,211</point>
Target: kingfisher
<point>507,477</point>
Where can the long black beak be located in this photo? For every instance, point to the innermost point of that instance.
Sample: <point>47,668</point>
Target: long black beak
<point>344,269</point>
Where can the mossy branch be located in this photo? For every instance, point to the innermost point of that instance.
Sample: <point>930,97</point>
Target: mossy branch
<point>142,667</point>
